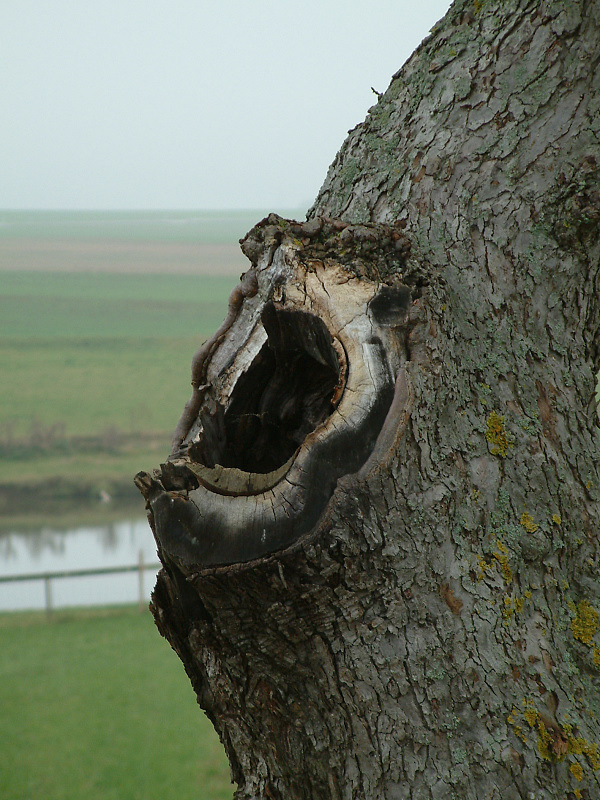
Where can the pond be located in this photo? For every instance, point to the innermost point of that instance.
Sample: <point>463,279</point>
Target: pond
<point>115,544</point>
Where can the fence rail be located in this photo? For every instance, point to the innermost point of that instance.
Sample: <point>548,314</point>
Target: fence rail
<point>141,567</point>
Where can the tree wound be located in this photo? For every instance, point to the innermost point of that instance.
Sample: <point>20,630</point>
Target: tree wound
<point>296,386</point>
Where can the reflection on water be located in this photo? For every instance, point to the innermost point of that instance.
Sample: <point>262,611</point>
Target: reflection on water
<point>51,550</point>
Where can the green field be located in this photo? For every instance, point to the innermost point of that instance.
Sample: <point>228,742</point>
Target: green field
<point>95,705</point>
<point>92,350</point>
<point>97,365</point>
<point>100,315</point>
<point>83,306</point>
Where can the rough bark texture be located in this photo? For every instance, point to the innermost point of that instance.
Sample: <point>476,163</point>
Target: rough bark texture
<point>435,633</point>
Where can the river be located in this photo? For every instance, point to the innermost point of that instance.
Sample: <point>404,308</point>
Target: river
<point>49,549</point>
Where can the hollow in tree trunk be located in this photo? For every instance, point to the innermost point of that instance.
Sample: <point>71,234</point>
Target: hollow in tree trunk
<point>379,522</point>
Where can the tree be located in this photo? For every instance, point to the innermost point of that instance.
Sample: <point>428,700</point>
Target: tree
<point>379,524</point>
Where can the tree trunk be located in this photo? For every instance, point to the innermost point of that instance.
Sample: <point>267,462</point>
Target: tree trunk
<point>379,523</point>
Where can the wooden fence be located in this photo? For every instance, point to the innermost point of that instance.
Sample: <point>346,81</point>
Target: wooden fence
<point>141,567</point>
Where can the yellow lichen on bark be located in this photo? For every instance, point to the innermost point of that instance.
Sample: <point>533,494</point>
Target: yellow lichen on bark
<point>496,435</point>
<point>577,771</point>
<point>544,740</point>
<point>528,523</point>
<point>585,623</point>
<point>502,559</point>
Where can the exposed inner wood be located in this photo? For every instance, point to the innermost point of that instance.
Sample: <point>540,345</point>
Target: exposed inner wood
<point>235,482</point>
<point>246,288</point>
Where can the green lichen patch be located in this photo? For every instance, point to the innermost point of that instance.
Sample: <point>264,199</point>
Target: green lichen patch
<point>484,392</point>
<point>573,214</point>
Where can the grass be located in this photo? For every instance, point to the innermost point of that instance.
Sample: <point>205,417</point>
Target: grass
<point>95,705</point>
<point>96,466</point>
<point>94,354</point>
<point>50,306</point>
<point>102,286</point>
<point>133,384</point>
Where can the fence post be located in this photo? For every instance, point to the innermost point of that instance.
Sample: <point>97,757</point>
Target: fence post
<point>48,594</point>
<point>141,581</point>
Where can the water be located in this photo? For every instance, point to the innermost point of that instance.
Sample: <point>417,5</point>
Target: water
<point>51,550</point>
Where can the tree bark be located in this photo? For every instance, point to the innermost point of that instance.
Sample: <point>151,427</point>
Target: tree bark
<point>379,523</point>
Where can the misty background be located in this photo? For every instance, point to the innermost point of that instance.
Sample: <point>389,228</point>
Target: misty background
<point>124,104</point>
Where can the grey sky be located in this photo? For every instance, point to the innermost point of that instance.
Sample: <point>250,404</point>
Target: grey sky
<point>189,103</point>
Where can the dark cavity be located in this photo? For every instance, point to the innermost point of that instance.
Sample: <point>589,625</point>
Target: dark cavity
<point>285,394</point>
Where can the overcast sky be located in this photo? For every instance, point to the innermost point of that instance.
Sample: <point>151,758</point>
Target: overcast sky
<point>189,103</point>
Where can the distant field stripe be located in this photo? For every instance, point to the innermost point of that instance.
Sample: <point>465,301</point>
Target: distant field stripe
<point>116,257</point>
<point>59,317</point>
<point>105,286</point>
<point>204,226</point>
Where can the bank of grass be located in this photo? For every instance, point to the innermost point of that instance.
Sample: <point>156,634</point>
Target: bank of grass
<point>96,705</point>
<point>98,467</point>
